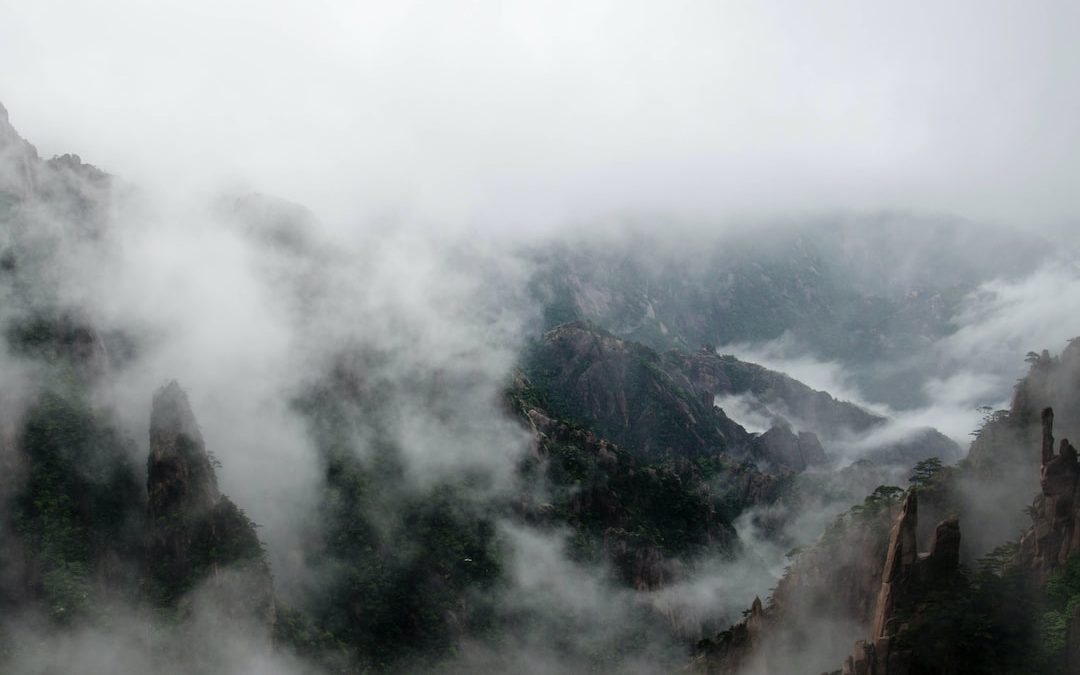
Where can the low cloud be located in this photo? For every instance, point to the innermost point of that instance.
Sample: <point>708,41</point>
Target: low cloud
<point>519,116</point>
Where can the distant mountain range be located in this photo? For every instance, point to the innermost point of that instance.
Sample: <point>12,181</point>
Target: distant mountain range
<point>637,459</point>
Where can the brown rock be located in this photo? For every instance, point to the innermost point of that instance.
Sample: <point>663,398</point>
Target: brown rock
<point>1055,531</point>
<point>901,556</point>
<point>905,577</point>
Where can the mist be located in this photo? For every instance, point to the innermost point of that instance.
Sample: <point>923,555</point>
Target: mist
<point>303,191</point>
<point>972,367</point>
<point>511,116</point>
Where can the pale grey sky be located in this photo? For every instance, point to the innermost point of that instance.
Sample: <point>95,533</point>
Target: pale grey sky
<point>515,114</point>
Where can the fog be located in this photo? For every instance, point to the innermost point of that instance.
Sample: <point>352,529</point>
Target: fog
<point>974,366</point>
<point>511,116</point>
<point>430,145</point>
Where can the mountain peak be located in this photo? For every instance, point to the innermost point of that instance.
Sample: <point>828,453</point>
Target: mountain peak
<point>180,475</point>
<point>171,413</point>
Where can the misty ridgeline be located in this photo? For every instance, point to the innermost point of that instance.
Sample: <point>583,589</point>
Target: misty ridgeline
<point>233,440</point>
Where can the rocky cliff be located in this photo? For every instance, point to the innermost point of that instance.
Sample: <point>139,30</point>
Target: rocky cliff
<point>826,596</point>
<point>39,193</point>
<point>1011,609</point>
<point>197,539</point>
<point>1055,534</point>
<point>626,392</point>
<point>643,516</point>
<point>663,403</point>
<point>908,577</point>
<point>780,446</point>
<point>787,402</point>
<point>831,294</point>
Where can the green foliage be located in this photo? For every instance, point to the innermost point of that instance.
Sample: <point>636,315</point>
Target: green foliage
<point>67,589</point>
<point>81,498</point>
<point>926,474</point>
<point>296,630</point>
<point>1063,591</point>
<point>989,418</point>
<point>652,505</point>
<point>996,621</point>
<point>1064,586</point>
<point>880,500</point>
<point>669,420</point>
<point>408,568</point>
<point>1053,628</point>
<point>399,583</point>
<point>618,499</point>
<point>997,562</point>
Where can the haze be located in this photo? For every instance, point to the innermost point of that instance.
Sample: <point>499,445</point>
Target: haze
<point>512,115</point>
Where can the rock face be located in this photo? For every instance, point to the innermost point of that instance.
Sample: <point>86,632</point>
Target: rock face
<point>787,402</point>
<point>663,403</point>
<point>905,580</point>
<point>180,478</point>
<point>17,160</point>
<point>1055,534</point>
<point>1003,453</point>
<point>197,539</point>
<point>748,289</point>
<point>782,447</point>
<point>838,578</point>
<point>899,561</point>
<point>630,395</point>
<point>38,193</point>
<point>646,516</point>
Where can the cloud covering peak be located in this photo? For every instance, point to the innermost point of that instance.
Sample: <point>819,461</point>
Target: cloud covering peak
<point>516,114</point>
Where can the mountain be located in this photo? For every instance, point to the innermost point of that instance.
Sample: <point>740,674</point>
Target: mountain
<point>821,286</point>
<point>630,394</point>
<point>1008,609</point>
<point>659,404</point>
<point>601,495</point>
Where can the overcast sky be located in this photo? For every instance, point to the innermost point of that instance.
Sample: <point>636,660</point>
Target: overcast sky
<point>517,114</point>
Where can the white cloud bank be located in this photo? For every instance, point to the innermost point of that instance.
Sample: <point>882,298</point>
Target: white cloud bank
<point>512,114</point>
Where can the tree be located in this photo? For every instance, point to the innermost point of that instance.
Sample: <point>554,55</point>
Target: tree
<point>926,473</point>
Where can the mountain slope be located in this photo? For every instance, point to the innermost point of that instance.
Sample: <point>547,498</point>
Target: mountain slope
<point>1010,609</point>
<point>664,404</point>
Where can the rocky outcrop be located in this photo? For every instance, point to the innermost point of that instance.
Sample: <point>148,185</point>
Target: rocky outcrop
<point>17,161</point>
<point>899,562</point>
<point>781,447</point>
<point>180,478</point>
<point>912,584</point>
<point>200,547</point>
<point>659,404</point>
<point>1002,449</point>
<point>628,394</point>
<point>787,402</point>
<point>1055,533</point>
<point>622,502</point>
<point>906,578</point>
<point>823,599</point>
<point>782,396</point>
<point>38,194</point>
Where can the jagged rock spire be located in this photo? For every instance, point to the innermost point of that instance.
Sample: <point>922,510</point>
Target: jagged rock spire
<point>1053,538</point>
<point>179,474</point>
<point>196,537</point>
<point>904,581</point>
<point>1047,434</point>
<point>755,622</point>
<point>901,556</point>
